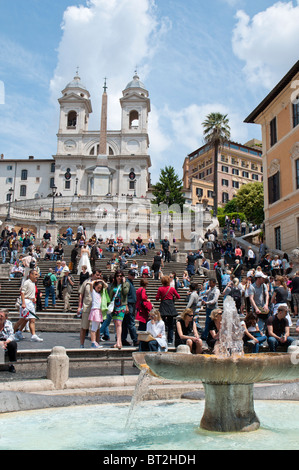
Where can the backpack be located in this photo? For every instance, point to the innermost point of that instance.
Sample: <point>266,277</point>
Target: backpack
<point>145,271</point>
<point>236,295</point>
<point>47,282</point>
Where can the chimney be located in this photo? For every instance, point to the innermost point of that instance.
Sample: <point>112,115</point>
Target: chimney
<point>31,157</point>
<point>2,156</point>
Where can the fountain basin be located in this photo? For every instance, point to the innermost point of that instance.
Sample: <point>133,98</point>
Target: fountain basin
<point>246,369</point>
<point>228,382</point>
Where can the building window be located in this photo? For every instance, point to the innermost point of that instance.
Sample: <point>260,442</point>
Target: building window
<point>296,112</point>
<point>209,171</point>
<point>9,180</point>
<point>277,233</point>
<point>225,198</point>
<point>235,171</point>
<point>199,192</point>
<point>23,190</point>
<point>53,167</point>
<point>9,167</point>
<point>274,188</point>
<point>236,184</point>
<point>134,119</point>
<point>245,174</point>
<point>67,185</point>
<point>255,177</point>
<point>224,169</point>
<point>224,182</point>
<point>273,132</point>
<point>52,182</point>
<point>24,175</point>
<point>297,173</point>
<point>131,184</point>
<point>72,119</point>
<point>210,194</point>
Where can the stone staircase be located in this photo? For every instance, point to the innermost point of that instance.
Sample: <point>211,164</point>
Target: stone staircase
<point>55,320</point>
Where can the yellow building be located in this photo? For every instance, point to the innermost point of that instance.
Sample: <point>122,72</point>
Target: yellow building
<point>237,165</point>
<point>278,114</point>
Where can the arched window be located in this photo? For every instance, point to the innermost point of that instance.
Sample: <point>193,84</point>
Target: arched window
<point>134,119</point>
<point>72,119</point>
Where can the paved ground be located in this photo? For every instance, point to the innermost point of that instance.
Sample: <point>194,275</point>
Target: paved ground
<point>67,340</point>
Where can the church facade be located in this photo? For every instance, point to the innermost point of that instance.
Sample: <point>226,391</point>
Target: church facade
<point>88,163</point>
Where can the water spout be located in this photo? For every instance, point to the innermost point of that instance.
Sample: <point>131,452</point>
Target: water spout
<point>231,332</point>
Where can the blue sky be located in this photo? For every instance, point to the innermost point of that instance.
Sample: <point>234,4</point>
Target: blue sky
<point>194,57</point>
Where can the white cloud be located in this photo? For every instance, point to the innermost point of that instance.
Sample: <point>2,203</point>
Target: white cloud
<point>268,43</point>
<point>106,39</point>
<point>188,129</point>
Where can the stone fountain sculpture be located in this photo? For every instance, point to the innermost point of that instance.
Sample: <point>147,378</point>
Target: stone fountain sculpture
<point>228,376</point>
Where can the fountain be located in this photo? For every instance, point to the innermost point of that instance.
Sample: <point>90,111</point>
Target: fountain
<point>228,376</point>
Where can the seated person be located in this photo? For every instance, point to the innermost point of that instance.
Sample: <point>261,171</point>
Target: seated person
<point>49,253</point>
<point>58,252</point>
<point>214,328</point>
<point>17,271</point>
<point>145,270</point>
<point>278,329</point>
<point>186,332</point>
<point>252,334</point>
<point>156,327</point>
<point>7,338</point>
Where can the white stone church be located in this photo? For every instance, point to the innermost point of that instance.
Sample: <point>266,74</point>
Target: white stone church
<point>87,163</point>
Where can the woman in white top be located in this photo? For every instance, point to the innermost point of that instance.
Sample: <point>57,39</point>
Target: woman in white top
<point>156,327</point>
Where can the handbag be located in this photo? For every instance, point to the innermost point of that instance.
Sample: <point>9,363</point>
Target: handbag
<point>110,309</point>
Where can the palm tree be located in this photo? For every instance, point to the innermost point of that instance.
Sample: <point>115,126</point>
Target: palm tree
<point>216,133</point>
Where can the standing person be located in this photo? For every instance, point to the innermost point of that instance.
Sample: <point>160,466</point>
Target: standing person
<point>250,257</point>
<point>165,245</point>
<point>143,305</point>
<point>84,260</point>
<point>7,339</point>
<point>97,289</point>
<point>218,271</point>
<point>69,235</point>
<point>186,332</point>
<point>259,299</point>
<point>84,305</point>
<point>210,247</point>
<point>166,294</point>
<point>118,292</point>
<point>190,260</point>
<point>80,232</point>
<point>214,329</point>
<point>67,285</point>
<point>211,303</point>
<point>156,266</point>
<point>295,292</point>
<point>193,298</point>
<point>28,307</point>
<point>50,281</point>
<point>94,255</point>
<point>128,325</point>
<point>74,254</point>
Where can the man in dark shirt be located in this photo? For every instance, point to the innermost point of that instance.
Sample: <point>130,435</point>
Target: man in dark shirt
<point>295,292</point>
<point>278,329</point>
<point>165,245</point>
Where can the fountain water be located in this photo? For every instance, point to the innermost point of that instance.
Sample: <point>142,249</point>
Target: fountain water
<point>228,377</point>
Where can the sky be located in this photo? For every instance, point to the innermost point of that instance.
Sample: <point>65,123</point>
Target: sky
<point>194,57</point>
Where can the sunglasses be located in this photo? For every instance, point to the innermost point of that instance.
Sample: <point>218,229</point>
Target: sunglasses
<point>188,314</point>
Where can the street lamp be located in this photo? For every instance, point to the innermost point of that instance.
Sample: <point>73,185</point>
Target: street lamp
<point>53,221</point>
<point>10,193</point>
<point>76,190</point>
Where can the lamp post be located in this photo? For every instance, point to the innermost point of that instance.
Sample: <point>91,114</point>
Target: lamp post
<point>53,221</point>
<point>10,193</point>
<point>76,189</point>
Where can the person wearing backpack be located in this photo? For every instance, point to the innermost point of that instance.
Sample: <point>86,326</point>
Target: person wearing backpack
<point>49,282</point>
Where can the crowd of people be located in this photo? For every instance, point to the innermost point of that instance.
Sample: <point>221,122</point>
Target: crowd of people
<point>265,294</point>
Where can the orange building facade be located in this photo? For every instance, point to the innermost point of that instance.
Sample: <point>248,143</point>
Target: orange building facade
<point>278,114</point>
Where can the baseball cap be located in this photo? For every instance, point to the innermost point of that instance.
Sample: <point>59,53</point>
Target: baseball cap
<point>260,274</point>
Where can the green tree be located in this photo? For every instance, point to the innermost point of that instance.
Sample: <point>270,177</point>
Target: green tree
<point>216,133</point>
<point>250,200</point>
<point>169,189</point>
